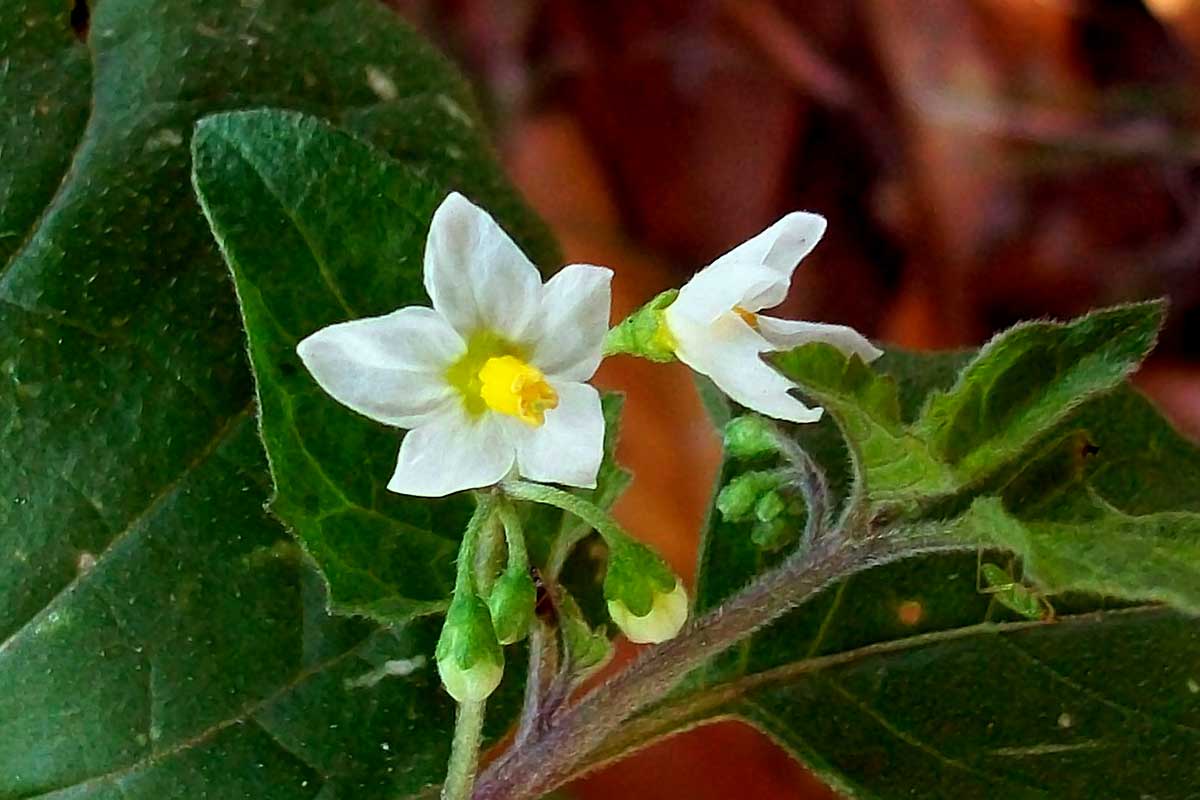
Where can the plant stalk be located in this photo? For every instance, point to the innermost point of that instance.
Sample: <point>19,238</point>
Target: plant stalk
<point>464,751</point>
<point>550,757</point>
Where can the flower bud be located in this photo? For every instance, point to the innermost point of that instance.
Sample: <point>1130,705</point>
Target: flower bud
<point>774,534</point>
<point>645,598</point>
<point>469,657</point>
<point>644,332</point>
<point>739,497</point>
<point>512,605</point>
<point>749,436</point>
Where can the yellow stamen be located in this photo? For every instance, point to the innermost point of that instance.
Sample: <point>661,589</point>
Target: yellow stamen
<point>513,387</point>
<point>749,317</point>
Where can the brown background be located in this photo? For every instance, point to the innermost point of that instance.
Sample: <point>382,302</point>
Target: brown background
<point>980,162</point>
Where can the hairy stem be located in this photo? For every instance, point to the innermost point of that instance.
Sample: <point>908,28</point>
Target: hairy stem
<point>548,759</point>
<point>464,751</point>
<point>543,666</point>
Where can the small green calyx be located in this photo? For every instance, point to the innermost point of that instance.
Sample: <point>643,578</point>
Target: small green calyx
<point>644,333</point>
<point>469,658</point>
<point>512,605</point>
<point>750,436</point>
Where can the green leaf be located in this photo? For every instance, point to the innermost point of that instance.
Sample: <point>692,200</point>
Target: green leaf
<point>906,681</point>
<point>1147,557</point>
<point>1027,379</point>
<point>160,634</point>
<point>1018,387</point>
<point>890,460</point>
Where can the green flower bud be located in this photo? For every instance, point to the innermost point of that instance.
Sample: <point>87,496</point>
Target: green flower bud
<point>739,497</point>
<point>645,598</point>
<point>770,506</point>
<point>512,605</point>
<point>774,534</point>
<point>644,332</point>
<point>749,436</point>
<point>469,657</point>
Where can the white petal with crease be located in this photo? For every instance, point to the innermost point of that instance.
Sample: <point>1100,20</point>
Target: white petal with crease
<point>576,304</point>
<point>389,368</point>
<point>451,453</point>
<point>728,351</point>
<point>569,447</point>
<point>476,275</point>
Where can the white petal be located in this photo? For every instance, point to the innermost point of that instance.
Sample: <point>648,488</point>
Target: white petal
<point>757,273</point>
<point>574,319</point>
<point>784,334</point>
<point>476,275</point>
<point>389,368</point>
<point>451,453</point>
<point>717,288</point>
<point>569,447</point>
<point>728,351</point>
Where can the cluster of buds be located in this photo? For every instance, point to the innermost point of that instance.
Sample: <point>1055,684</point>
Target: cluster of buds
<point>646,600</point>
<point>765,498</point>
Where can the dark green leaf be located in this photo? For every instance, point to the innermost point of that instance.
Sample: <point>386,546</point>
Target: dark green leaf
<point>906,681</point>
<point>159,633</point>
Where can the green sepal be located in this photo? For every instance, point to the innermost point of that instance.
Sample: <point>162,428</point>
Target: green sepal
<point>512,604</point>
<point>644,333</point>
<point>635,575</point>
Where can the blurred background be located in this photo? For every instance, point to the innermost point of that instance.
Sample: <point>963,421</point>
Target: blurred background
<point>980,162</point>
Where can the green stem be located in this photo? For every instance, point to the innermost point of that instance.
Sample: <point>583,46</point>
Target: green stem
<point>590,513</point>
<point>464,752</point>
<point>464,580</point>
<point>514,533</point>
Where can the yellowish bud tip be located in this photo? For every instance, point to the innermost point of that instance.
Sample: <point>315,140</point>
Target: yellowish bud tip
<point>749,317</point>
<point>470,685</point>
<point>666,617</point>
<point>513,387</point>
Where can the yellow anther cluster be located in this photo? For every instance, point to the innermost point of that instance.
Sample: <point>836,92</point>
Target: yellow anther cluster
<point>513,387</point>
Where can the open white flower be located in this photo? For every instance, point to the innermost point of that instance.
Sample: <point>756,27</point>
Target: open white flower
<point>491,377</point>
<point>714,326</point>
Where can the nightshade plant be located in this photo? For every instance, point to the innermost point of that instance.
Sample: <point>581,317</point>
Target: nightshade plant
<point>208,590</point>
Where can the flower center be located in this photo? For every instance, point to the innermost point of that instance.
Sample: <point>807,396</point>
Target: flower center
<point>511,386</point>
<point>749,317</point>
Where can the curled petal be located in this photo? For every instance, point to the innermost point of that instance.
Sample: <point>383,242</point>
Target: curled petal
<point>784,334</point>
<point>757,273</point>
<point>729,351</point>
<point>452,452</point>
<point>569,339</point>
<point>476,275</point>
<point>388,368</point>
<point>569,447</point>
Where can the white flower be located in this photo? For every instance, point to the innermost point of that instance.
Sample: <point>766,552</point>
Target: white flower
<point>491,377</point>
<point>715,327</point>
